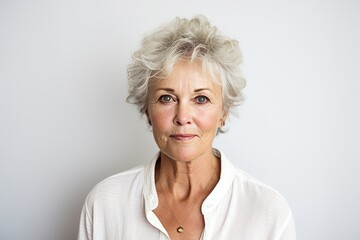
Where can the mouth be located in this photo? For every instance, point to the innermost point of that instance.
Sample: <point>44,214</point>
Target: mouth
<point>182,137</point>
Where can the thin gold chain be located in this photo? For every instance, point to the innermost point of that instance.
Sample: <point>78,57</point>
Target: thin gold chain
<point>180,229</point>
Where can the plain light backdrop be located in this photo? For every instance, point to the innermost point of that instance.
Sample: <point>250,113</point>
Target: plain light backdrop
<point>64,123</point>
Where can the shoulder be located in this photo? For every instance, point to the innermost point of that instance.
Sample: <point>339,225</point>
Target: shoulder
<point>250,190</point>
<point>109,202</point>
<point>117,187</point>
<point>264,206</point>
<point>258,192</point>
<point>259,200</point>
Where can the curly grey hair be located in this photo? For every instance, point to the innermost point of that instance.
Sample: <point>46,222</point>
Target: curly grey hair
<point>190,40</point>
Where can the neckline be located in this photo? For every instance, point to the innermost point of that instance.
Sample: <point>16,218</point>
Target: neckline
<point>227,173</point>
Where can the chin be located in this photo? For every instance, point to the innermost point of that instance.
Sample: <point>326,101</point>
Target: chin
<point>183,154</point>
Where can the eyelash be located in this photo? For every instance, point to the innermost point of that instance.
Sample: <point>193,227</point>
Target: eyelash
<point>172,99</point>
<point>206,99</point>
<point>161,99</point>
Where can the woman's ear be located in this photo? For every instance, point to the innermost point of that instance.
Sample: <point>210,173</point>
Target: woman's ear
<point>148,118</point>
<point>223,118</point>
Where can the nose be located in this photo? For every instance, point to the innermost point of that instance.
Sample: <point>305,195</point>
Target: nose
<point>183,115</point>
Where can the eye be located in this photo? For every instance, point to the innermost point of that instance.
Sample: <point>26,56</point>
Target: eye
<point>166,99</point>
<point>201,99</point>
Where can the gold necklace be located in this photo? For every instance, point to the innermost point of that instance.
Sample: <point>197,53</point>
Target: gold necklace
<point>180,228</point>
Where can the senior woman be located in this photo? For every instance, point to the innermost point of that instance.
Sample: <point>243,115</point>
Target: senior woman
<point>185,79</point>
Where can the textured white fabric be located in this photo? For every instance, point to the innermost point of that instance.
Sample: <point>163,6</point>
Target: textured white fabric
<point>239,207</point>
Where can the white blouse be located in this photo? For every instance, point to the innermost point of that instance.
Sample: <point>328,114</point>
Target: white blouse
<point>239,207</point>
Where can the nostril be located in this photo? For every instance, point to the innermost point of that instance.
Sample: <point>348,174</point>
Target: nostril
<point>183,115</point>
<point>177,121</point>
<point>181,121</point>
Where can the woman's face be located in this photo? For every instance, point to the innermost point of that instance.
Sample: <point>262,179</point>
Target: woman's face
<point>185,111</point>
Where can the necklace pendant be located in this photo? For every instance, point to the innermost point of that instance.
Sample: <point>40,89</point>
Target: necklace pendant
<point>180,229</point>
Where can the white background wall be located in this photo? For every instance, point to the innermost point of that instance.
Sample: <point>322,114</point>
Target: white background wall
<point>64,123</point>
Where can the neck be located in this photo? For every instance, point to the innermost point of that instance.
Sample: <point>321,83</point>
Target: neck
<point>188,180</point>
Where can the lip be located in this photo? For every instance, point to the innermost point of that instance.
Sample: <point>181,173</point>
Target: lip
<point>182,137</point>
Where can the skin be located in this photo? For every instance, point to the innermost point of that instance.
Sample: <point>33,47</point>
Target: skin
<point>185,110</point>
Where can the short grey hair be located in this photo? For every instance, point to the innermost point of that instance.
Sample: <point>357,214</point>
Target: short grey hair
<point>191,40</point>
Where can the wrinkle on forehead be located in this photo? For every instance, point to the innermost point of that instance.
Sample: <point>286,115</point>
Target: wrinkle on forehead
<point>181,72</point>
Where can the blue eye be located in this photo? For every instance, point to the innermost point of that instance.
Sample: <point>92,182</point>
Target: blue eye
<point>166,98</point>
<point>201,99</point>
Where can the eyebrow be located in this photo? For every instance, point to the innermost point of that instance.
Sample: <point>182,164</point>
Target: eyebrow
<point>165,89</point>
<point>196,90</point>
<point>203,89</point>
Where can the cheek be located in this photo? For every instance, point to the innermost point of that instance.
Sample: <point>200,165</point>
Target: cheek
<point>161,119</point>
<point>161,125</point>
<point>208,120</point>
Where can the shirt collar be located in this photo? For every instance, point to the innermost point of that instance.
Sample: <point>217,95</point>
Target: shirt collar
<point>227,175</point>
<point>150,194</point>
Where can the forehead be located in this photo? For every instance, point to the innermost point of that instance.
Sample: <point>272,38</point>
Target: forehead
<point>187,74</point>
